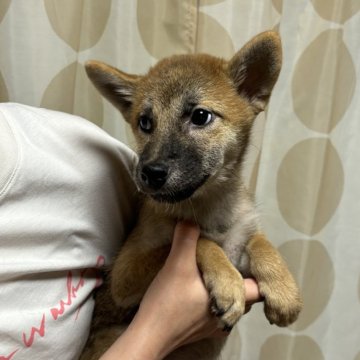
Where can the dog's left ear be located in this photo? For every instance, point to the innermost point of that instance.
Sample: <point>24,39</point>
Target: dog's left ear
<point>255,68</point>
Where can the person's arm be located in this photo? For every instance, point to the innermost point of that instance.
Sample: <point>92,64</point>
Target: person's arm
<point>175,308</point>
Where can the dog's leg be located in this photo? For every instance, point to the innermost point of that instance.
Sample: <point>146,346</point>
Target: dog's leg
<point>282,301</point>
<point>101,341</point>
<point>223,282</point>
<point>106,326</point>
<point>133,271</point>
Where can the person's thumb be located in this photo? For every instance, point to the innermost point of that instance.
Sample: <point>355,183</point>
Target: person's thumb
<point>183,249</point>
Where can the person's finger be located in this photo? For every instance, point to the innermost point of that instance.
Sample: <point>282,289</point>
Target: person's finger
<point>183,248</point>
<point>252,293</point>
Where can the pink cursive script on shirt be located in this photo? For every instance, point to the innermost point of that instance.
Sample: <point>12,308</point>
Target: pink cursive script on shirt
<point>59,310</point>
<point>9,357</point>
<point>71,294</point>
<point>33,331</point>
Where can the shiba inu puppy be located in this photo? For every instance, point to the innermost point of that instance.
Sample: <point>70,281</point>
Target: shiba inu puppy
<point>191,116</point>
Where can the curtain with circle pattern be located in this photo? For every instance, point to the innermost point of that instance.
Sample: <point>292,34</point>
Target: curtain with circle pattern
<point>304,154</point>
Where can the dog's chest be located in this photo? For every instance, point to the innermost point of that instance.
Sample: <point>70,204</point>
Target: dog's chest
<point>232,230</point>
<point>230,221</point>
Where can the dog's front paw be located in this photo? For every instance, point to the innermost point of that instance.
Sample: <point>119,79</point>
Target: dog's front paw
<point>282,302</point>
<point>127,290</point>
<point>125,295</point>
<point>133,272</point>
<point>227,294</point>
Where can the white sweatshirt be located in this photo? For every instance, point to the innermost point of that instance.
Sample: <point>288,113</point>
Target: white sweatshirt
<point>66,203</point>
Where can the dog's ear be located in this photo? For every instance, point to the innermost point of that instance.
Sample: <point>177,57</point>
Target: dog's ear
<point>116,86</point>
<point>255,68</point>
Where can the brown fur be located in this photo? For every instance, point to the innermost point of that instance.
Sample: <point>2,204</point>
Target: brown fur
<point>199,180</point>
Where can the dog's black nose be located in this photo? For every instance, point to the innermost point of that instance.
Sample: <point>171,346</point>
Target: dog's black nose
<point>154,175</point>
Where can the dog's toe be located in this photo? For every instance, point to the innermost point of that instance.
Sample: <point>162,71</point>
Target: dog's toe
<point>282,313</point>
<point>227,301</point>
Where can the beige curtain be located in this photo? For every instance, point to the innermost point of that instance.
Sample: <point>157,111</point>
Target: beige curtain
<point>305,153</point>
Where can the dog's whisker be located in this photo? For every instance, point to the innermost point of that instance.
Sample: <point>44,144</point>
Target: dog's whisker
<point>193,210</point>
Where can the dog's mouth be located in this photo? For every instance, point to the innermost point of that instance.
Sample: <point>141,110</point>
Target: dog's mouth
<point>174,196</point>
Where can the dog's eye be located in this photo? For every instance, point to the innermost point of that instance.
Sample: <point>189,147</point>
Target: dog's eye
<point>145,123</point>
<point>201,117</point>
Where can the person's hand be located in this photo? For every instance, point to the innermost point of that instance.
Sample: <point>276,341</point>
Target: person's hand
<point>175,308</point>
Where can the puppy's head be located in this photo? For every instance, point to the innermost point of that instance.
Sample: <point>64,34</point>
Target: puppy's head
<point>191,114</point>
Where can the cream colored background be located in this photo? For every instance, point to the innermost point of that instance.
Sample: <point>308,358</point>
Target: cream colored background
<point>304,159</point>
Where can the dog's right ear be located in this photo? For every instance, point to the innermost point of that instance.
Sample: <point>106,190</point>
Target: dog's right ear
<point>116,86</point>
